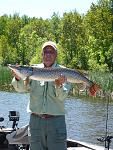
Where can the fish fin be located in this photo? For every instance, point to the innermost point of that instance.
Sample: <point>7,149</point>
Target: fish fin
<point>93,89</point>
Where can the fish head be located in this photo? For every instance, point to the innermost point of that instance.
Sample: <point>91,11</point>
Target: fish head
<point>22,71</point>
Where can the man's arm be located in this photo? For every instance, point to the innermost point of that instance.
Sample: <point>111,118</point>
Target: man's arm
<point>19,84</point>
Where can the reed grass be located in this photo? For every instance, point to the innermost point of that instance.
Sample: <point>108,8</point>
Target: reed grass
<point>103,79</point>
<point>5,79</point>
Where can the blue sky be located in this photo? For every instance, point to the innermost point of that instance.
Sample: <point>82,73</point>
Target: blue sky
<point>43,8</point>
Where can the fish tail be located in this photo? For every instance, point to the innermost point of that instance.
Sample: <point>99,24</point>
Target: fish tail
<point>93,89</point>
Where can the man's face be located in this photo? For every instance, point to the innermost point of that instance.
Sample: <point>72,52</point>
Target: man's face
<point>49,56</point>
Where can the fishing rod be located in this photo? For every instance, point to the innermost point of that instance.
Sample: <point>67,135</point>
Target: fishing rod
<point>107,138</point>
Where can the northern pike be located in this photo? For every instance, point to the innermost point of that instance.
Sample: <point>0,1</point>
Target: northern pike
<point>50,74</point>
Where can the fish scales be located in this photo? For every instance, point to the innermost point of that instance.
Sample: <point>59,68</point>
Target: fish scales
<point>50,74</point>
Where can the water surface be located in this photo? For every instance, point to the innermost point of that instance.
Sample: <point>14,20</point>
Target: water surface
<point>85,118</point>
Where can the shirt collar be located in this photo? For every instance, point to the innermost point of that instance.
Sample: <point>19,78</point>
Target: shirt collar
<point>53,66</point>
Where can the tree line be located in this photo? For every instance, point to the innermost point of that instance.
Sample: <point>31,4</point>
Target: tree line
<point>84,41</point>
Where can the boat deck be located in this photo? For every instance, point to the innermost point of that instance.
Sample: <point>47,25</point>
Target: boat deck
<point>78,148</point>
<point>78,145</point>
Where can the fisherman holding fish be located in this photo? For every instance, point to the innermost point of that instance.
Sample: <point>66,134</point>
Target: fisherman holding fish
<point>46,105</point>
<point>49,85</point>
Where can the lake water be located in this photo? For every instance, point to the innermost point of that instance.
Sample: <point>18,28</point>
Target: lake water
<point>85,118</point>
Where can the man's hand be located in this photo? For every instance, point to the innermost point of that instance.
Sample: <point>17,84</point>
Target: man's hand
<point>16,76</point>
<point>93,89</point>
<point>59,82</point>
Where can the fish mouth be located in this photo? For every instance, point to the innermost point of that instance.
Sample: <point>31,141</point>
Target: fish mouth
<point>12,67</point>
<point>9,66</point>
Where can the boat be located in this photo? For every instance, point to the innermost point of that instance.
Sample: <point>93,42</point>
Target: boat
<point>15,138</point>
<point>19,138</point>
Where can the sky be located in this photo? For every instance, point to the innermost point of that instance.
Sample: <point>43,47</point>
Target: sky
<point>43,8</point>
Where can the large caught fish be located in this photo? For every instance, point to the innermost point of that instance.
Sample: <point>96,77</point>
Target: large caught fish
<point>50,74</point>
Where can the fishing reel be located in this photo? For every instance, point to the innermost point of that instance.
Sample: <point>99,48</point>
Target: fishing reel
<point>106,139</point>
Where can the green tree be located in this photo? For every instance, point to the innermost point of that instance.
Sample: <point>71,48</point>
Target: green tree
<point>13,28</point>
<point>41,27</point>
<point>27,44</point>
<point>73,40</point>
<point>3,23</point>
<point>55,27</point>
<point>7,53</point>
<point>98,24</point>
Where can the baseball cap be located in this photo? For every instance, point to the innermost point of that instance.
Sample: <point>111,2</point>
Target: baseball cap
<point>50,43</point>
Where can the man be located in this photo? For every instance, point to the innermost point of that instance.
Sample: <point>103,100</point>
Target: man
<point>46,106</point>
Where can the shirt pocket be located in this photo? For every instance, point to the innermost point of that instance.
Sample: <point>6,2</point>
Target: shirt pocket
<point>51,90</point>
<point>36,88</point>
